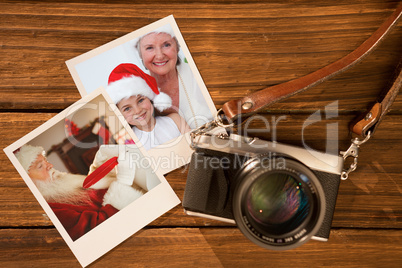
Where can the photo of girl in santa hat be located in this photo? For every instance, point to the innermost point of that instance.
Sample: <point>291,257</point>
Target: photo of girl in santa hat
<point>137,96</point>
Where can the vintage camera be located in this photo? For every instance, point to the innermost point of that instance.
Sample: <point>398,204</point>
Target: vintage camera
<point>279,196</point>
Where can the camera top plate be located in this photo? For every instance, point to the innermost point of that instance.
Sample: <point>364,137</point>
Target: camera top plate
<point>236,144</point>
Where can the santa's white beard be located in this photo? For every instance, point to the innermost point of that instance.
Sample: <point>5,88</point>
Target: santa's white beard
<point>64,188</point>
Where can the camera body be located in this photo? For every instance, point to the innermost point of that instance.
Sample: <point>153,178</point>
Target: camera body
<point>279,196</point>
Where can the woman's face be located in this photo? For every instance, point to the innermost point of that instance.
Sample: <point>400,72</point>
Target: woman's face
<point>137,110</point>
<point>159,53</point>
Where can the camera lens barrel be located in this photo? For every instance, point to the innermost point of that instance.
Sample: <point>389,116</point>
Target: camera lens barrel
<point>278,203</point>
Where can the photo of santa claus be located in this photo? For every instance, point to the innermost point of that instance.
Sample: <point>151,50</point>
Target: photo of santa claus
<point>78,208</point>
<point>83,169</point>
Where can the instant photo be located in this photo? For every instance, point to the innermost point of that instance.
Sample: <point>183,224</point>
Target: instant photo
<point>152,78</point>
<point>94,182</point>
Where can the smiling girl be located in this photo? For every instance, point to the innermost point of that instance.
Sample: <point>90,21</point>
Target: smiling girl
<point>137,97</point>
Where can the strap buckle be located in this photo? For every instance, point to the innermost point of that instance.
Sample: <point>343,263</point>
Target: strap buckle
<point>207,128</point>
<point>353,151</point>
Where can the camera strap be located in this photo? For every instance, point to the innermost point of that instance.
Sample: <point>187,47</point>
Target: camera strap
<point>235,112</point>
<point>240,109</point>
<point>366,123</point>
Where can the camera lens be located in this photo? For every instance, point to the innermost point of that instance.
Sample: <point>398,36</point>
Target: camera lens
<point>278,202</point>
<point>278,206</point>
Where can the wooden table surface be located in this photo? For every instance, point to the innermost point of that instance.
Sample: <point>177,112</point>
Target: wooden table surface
<point>239,47</point>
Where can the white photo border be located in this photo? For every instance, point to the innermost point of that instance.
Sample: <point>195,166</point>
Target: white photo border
<point>121,225</point>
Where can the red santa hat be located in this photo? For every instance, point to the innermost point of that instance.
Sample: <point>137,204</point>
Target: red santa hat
<point>128,80</point>
<point>27,154</point>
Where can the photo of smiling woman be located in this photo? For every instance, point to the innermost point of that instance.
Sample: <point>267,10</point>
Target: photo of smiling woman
<point>137,96</point>
<point>159,52</point>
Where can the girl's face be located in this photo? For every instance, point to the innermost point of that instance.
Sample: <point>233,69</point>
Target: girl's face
<point>159,53</point>
<point>137,110</point>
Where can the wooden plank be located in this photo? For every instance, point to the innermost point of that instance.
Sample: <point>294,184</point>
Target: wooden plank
<point>46,68</point>
<point>334,19</point>
<point>39,88</point>
<point>279,42</point>
<point>224,247</point>
<point>205,10</point>
<point>377,178</point>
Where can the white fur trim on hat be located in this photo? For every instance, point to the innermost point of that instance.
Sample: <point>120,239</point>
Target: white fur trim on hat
<point>164,29</point>
<point>127,87</point>
<point>135,85</point>
<point>28,154</point>
<point>162,101</point>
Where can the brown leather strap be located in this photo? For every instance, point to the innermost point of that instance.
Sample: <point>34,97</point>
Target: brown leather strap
<point>256,101</point>
<point>369,121</point>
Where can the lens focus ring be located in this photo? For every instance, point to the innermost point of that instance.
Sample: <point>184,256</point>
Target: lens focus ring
<point>278,206</point>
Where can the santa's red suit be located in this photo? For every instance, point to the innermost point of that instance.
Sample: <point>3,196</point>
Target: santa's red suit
<point>79,219</point>
<point>79,210</point>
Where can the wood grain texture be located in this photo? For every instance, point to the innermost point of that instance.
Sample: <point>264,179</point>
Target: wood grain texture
<point>239,47</point>
<point>378,177</point>
<point>201,247</point>
<point>269,44</point>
